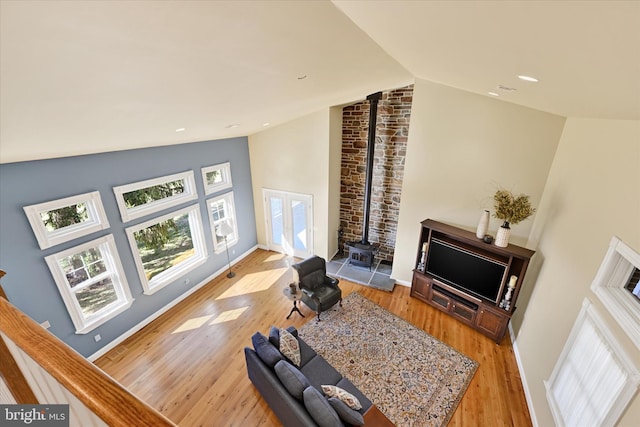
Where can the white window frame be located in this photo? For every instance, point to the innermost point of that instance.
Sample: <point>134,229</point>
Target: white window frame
<point>97,220</point>
<point>233,221</point>
<point>172,274</point>
<point>190,193</point>
<point>609,285</point>
<point>594,379</point>
<point>225,171</point>
<point>111,259</point>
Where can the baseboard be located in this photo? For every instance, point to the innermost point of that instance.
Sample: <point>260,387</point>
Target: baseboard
<point>167,307</point>
<point>523,378</point>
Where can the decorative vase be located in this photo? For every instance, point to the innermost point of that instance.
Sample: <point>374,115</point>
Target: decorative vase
<point>483,225</point>
<point>502,237</point>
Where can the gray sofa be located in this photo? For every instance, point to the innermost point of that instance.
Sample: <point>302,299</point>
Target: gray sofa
<point>293,410</point>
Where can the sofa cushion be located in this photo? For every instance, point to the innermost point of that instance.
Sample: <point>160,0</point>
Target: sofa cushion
<point>319,372</point>
<point>346,414</point>
<point>266,351</point>
<point>274,336</point>
<point>293,380</point>
<point>348,398</point>
<point>290,347</point>
<point>320,409</point>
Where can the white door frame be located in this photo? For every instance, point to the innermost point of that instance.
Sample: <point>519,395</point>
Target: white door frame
<point>288,198</point>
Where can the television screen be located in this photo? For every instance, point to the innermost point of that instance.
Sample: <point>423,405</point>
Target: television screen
<point>464,270</point>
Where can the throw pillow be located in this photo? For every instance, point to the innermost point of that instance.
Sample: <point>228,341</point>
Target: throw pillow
<point>348,398</point>
<point>289,346</point>
<point>346,414</point>
<point>320,409</point>
<point>266,351</point>
<point>293,380</point>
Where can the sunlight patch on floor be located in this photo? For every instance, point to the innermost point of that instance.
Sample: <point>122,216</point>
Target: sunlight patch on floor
<point>274,257</point>
<point>192,324</point>
<point>229,315</point>
<point>254,282</point>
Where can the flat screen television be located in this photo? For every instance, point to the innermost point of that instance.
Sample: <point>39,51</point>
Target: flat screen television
<point>470,272</point>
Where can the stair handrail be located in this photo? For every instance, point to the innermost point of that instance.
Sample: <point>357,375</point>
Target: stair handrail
<point>100,393</point>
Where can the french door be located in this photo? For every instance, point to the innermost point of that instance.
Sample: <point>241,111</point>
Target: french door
<point>289,222</point>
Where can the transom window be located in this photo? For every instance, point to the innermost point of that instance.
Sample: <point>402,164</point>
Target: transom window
<point>217,177</point>
<point>61,220</point>
<point>222,214</point>
<point>92,283</point>
<point>153,195</point>
<point>616,284</point>
<point>167,247</point>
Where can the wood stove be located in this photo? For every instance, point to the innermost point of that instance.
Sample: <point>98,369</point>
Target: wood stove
<point>362,253</point>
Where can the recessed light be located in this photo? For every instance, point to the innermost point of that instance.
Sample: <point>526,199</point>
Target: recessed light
<point>181,129</point>
<point>493,94</point>
<point>266,124</point>
<point>528,79</point>
<point>231,126</point>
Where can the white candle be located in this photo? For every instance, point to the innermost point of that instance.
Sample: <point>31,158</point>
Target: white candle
<point>424,247</point>
<point>512,281</point>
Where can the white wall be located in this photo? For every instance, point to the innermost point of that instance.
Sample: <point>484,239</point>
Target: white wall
<point>592,193</point>
<point>461,147</point>
<point>296,157</point>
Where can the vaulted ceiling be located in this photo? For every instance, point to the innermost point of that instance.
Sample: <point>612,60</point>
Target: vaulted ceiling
<point>85,77</point>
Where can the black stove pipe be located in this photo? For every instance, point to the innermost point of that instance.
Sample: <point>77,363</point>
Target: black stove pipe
<point>371,145</point>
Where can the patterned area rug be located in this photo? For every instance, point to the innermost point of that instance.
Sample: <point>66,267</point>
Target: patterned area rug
<point>413,378</point>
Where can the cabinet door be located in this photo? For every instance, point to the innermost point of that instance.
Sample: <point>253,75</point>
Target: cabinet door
<point>492,323</point>
<point>420,286</point>
<point>463,313</point>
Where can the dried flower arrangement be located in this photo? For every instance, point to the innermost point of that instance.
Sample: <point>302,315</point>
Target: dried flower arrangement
<point>511,209</point>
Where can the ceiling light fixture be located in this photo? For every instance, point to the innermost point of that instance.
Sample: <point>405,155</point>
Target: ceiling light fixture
<point>231,126</point>
<point>181,129</point>
<point>266,124</point>
<point>528,79</point>
<point>493,94</point>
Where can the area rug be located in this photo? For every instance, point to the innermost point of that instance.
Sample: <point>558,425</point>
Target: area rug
<point>413,378</point>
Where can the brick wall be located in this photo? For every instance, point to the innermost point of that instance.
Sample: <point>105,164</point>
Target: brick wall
<point>392,129</point>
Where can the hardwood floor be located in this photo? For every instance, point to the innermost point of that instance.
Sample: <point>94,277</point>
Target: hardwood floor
<point>189,363</point>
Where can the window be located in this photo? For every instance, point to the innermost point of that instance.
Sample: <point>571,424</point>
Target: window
<point>216,178</point>
<point>167,247</point>
<point>146,197</point>
<point>222,211</point>
<point>92,283</point>
<point>594,379</point>
<point>616,284</point>
<point>62,220</point>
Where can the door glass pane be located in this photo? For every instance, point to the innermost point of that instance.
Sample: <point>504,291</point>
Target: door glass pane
<point>277,221</point>
<point>299,225</point>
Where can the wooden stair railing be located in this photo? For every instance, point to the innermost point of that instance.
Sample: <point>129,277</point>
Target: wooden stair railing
<point>102,395</point>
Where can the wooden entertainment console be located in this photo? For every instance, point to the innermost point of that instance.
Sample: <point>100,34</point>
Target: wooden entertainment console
<point>488,317</point>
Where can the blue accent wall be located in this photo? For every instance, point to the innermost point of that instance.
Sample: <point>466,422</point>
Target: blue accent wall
<point>29,284</point>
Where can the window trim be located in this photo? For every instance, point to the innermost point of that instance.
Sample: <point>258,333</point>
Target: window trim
<point>174,273</point>
<point>109,251</point>
<point>218,248</point>
<point>97,220</point>
<point>127,214</point>
<point>609,285</point>
<point>590,320</point>
<point>225,169</point>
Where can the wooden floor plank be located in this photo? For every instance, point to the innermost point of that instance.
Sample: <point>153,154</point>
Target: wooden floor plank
<point>189,363</point>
